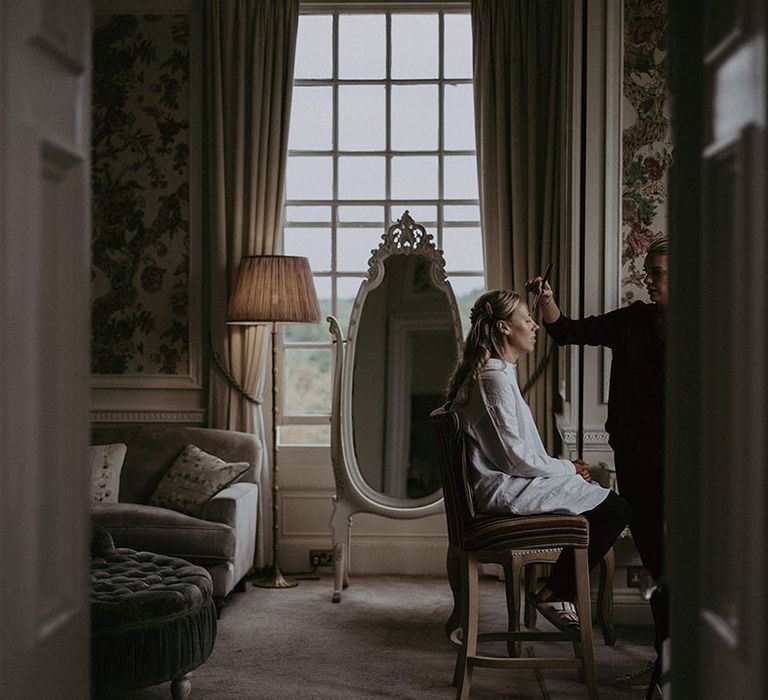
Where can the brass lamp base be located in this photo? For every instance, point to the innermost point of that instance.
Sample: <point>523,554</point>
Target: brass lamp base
<point>273,578</point>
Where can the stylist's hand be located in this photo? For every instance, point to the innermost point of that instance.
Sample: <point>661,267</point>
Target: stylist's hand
<point>543,292</point>
<point>582,469</point>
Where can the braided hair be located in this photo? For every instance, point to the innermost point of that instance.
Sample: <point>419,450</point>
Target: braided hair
<point>482,340</point>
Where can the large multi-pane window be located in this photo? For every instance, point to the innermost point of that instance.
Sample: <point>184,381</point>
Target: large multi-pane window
<point>382,121</point>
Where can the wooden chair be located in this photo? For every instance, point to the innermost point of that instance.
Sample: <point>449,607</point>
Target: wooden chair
<point>528,538</point>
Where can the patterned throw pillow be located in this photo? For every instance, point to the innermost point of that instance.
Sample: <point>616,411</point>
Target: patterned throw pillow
<point>106,464</point>
<point>193,479</point>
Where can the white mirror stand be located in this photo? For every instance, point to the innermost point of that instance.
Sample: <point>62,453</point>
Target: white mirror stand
<point>353,493</point>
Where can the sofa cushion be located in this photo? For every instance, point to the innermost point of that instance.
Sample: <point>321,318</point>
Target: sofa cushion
<point>106,463</point>
<point>193,479</point>
<point>163,531</point>
<point>152,449</point>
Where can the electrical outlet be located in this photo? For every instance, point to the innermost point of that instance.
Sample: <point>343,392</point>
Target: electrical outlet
<point>634,576</point>
<point>320,557</point>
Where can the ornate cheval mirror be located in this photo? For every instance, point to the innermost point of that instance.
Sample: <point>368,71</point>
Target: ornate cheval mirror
<point>403,341</point>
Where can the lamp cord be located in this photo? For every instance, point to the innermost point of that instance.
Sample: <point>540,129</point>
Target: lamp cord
<point>228,375</point>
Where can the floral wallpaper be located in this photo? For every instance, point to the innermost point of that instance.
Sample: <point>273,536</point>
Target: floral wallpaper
<point>647,148</point>
<point>140,186</point>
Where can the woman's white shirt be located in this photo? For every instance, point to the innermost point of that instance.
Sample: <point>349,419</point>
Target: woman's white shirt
<point>510,469</point>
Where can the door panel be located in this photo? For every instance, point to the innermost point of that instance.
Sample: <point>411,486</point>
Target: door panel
<point>44,332</point>
<point>717,366</point>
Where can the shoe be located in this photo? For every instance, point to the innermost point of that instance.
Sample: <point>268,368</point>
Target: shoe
<point>637,678</point>
<point>560,613</point>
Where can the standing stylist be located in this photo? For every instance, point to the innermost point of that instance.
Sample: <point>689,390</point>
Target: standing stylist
<point>635,425</point>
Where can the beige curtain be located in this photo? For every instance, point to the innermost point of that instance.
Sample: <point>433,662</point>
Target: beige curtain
<point>521,79</point>
<point>248,56</point>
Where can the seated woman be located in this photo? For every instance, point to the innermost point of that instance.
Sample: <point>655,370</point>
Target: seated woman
<point>510,469</point>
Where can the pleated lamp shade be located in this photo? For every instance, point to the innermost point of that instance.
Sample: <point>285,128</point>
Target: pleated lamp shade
<point>273,288</point>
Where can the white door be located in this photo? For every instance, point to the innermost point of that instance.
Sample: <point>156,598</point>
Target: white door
<point>44,331</point>
<point>718,369</point>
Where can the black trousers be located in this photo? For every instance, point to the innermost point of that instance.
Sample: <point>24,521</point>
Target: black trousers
<point>640,476</point>
<point>606,521</point>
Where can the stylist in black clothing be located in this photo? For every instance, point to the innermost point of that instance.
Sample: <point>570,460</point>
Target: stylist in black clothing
<point>635,425</point>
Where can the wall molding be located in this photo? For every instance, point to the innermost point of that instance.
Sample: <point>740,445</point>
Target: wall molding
<point>592,436</point>
<point>150,381</point>
<point>141,7</point>
<point>195,416</point>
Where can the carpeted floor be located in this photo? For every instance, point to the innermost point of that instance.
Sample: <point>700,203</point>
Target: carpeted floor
<point>384,640</point>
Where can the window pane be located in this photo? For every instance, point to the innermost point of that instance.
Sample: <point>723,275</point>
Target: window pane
<point>461,212</point>
<point>460,177</point>
<point>420,213</point>
<point>372,188</point>
<point>305,434</point>
<point>361,214</point>
<point>459,118</point>
<point>346,292</point>
<point>309,177</point>
<point>414,177</point>
<point>299,213</point>
<point>362,112</point>
<point>312,243</point>
<point>312,332</point>
<point>307,332</point>
<point>414,46</point>
<point>311,119</point>
<point>361,177</point>
<point>362,46</point>
<point>354,248</point>
<point>307,380</point>
<point>314,55</point>
<point>414,117</point>
<point>463,248</point>
<point>458,46</point>
<point>466,290</point>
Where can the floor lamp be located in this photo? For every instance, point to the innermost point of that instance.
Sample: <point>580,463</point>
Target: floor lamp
<point>272,289</point>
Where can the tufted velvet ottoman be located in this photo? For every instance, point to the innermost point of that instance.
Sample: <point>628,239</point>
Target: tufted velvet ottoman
<point>152,620</point>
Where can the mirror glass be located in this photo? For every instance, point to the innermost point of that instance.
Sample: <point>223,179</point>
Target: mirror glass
<point>405,351</point>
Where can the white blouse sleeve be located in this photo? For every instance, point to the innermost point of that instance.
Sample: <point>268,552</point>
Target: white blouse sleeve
<point>505,435</point>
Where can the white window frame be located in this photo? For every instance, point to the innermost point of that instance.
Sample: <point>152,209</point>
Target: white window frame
<point>392,209</point>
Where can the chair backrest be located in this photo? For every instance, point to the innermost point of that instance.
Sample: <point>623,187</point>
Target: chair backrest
<point>457,490</point>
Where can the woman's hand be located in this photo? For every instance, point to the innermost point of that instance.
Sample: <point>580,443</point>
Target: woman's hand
<point>582,469</point>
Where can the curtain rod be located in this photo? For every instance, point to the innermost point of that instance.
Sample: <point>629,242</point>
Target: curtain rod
<point>382,5</point>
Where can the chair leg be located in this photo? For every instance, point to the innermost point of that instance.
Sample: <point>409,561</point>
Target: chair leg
<point>584,649</point>
<point>531,572</point>
<point>605,597</point>
<point>513,567</point>
<point>453,567</point>
<point>470,610</point>
<point>458,671</point>
<point>461,603</point>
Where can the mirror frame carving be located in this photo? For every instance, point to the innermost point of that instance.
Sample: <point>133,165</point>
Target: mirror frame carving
<point>353,493</point>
